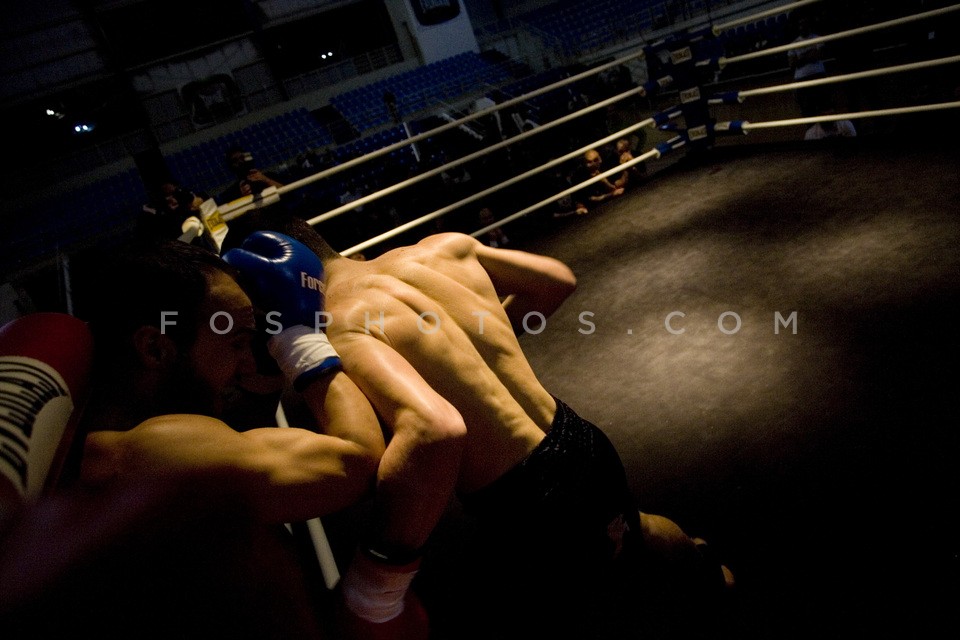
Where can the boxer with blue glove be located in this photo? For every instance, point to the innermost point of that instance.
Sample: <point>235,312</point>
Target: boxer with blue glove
<point>287,282</point>
<point>160,454</point>
<point>286,279</point>
<point>558,535</point>
<point>417,471</point>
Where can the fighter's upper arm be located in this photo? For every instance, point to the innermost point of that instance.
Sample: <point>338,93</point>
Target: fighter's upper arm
<point>531,282</point>
<point>308,474</point>
<point>342,410</point>
<point>421,464</point>
<point>401,396</point>
<point>282,474</point>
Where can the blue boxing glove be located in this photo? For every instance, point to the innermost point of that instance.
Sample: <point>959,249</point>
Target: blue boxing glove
<point>286,279</point>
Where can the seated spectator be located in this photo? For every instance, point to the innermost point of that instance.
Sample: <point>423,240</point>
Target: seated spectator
<point>390,100</point>
<point>310,162</point>
<point>831,129</point>
<point>250,180</point>
<point>807,64</point>
<point>167,217</point>
<point>352,191</point>
<point>178,198</point>
<point>596,192</point>
<point>631,175</point>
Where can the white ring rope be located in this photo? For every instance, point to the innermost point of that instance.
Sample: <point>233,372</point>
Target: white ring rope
<point>655,153</point>
<point>913,66</point>
<point>236,212</point>
<point>506,183</point>
<point>746,126</point>
<point>456,123</point>
<point>438,170</point>
<point>254,203</point>
<point>315,530</point>
<point>420,177</point>
<point>839,35</point>
<point>763,14</point>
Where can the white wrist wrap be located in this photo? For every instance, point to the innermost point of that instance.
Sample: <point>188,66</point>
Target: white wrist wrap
<point>375,591</point>
<point>299,351</point>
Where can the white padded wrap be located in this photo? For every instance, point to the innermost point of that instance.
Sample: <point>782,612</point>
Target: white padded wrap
<point>375,591</point>
<point>190,229</point>
<point>299,350</point>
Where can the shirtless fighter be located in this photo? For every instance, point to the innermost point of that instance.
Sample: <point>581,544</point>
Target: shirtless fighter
<point>182,534</point>
<point>559,539</point>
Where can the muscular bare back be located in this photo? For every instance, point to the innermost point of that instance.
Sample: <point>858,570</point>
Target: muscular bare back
<point>438,304</point>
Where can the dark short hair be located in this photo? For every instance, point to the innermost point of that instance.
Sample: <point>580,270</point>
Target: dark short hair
<point>283,222</point>
<point>300,229</point>
<point>130,289</point>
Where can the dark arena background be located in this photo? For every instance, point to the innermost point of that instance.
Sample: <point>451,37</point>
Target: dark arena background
<point>764,324</point>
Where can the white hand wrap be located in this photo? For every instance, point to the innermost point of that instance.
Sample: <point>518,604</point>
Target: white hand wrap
<point>375,591</point>
<point>303,354</point>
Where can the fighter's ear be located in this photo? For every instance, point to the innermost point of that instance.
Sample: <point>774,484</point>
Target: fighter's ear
<point>154,348</point>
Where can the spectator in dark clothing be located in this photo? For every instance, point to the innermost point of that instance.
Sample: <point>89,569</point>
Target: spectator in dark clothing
<point>166,217</point>
<point>250,180</point>
<point>597,192</point>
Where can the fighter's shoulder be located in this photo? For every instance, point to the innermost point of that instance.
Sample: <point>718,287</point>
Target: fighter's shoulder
<point>355,303</point>
<point>456,244</point>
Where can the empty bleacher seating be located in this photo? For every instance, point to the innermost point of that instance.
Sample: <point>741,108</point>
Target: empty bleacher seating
<point>418,89</point>
<point>273,141</point>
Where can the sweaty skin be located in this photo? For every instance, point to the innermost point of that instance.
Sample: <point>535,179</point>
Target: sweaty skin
<point>163,427</point>
<point>451,307</point>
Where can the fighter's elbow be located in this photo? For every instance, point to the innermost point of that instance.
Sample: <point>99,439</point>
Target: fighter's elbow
<point>362,462</point>
<point>567,282</point>
<point>359,465</point>
<point>562,286</point>
<point>449,428</point>
<point>441,428</point>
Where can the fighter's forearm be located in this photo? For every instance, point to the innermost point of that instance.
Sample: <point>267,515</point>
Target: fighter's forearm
<point>341,410</point>
<point>417,478</point>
